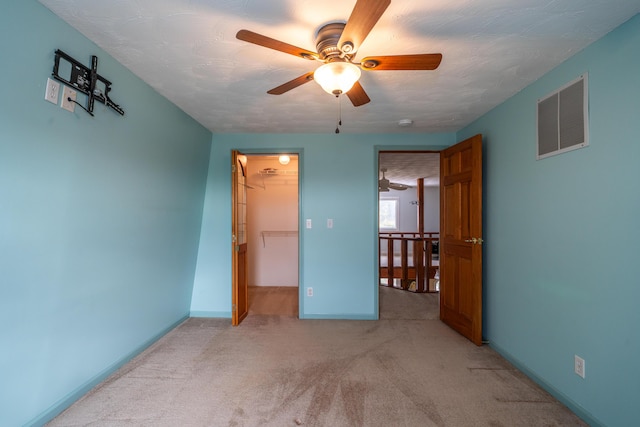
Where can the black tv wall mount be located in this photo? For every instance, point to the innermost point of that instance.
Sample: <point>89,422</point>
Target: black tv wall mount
<point>85,80</point>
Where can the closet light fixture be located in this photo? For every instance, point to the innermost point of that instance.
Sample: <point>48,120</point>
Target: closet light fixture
<point>284,159</point>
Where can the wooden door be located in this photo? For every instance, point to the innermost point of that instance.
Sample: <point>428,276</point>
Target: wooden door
<point>240,291</point>
<point>461,238</point>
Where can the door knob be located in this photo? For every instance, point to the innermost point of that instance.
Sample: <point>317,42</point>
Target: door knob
<point>475,240</point>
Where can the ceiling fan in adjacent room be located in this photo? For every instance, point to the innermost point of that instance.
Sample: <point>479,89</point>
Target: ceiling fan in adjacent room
<point>385,185</point>
<point>337,44</point>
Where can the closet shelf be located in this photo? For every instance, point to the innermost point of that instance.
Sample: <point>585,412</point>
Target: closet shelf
<point>277,233</point>
<point>277,172</point>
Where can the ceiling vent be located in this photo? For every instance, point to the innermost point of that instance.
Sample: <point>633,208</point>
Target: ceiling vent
<point>563,119</point>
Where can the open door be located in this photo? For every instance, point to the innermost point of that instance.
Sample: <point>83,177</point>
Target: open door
<point>240,291</point>
<point>461,238</point>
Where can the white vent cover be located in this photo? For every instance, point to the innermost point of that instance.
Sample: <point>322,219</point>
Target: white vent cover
<point>563,119</point>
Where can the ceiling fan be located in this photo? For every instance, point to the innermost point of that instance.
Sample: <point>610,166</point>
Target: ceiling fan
<point>337,44</point>
<point>384,184</point>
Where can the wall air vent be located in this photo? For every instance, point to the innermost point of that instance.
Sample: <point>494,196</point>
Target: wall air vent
<point>563,123</point>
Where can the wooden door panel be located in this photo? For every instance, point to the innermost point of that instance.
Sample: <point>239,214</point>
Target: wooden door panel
<point>239,280</point>
<point>466,161</point>
<point>458,303</point>
<point>448,300</point>
<point>457,205</point>
<point>461,223</point>
<point>451,228</point>
<point>465,208</point>
<point>465,306</point>
<point>242,300</point>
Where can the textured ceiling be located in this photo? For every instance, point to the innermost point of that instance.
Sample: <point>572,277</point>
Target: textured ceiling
<point>187,51</point>
<point>406,168</point>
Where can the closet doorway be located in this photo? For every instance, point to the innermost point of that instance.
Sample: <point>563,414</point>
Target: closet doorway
<point>272,234</point>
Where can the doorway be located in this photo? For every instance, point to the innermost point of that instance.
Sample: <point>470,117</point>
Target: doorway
<point>460,238</point>
<point>272,212</point>
<point>409,224</point>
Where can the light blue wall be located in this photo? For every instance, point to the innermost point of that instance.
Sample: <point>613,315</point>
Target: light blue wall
<point>100,225</point>
<point>338,180</point>
<point>562,235</point>
<point>99,220</point>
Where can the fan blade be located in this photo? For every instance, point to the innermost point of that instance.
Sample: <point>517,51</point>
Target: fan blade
<point>292,84</point>
<point>364,16</point>
<point>255,38</point>
<point>426,61</point>
<point>398,187</point>
<point>357,95</point>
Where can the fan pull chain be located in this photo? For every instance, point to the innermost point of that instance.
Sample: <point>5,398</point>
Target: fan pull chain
<point>339,114</point>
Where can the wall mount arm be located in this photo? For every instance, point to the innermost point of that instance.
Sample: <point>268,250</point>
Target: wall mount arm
<point>85,80</point>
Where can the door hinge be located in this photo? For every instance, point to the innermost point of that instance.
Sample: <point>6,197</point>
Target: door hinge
<point>233,168</point>
<point>234,308</point>
<point>236,248</point>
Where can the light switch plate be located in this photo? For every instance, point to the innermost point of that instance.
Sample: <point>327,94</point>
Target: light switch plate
<point>578,366</point>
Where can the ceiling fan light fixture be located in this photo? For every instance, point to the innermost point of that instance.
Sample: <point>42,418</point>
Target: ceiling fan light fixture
<point>337,77</point>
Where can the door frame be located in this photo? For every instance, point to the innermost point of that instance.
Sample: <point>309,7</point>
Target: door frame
<point>440,150</point>
<point>270,151</point>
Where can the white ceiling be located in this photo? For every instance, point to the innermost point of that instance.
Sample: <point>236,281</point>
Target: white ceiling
<point>187,51</point>
<point>405,168</point>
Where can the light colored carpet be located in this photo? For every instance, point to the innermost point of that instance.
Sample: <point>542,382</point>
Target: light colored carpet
<point>396,304</point>
<point>276,370</point>
<point>274,300</point>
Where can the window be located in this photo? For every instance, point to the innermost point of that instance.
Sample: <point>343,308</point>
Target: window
<point>388,214</point>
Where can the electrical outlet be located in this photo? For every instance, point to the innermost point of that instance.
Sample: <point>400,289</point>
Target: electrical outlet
<point>308,223</point>
<point>53,90</point>
<point>578,366</point>
<point>329,223</point>
<point>67,93</point>
<point>309,292</point>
